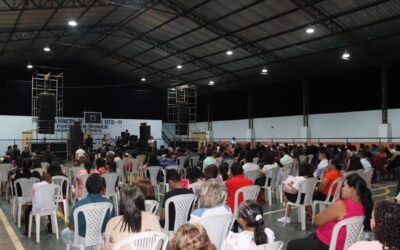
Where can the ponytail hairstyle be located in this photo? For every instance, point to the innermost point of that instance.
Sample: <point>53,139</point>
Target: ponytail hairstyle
<point>131,207</point>
<point>252,214</point>
<point>358,183</point>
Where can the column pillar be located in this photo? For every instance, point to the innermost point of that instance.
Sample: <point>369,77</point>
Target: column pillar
<point>305,131</point>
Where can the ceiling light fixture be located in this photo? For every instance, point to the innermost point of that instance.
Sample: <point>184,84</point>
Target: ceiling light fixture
<point>229,52</point>
<point>346,55</point>
<point>179,66</point>
<point>264,71</point>
<point>143,79</point>
<point>310,30</point>
<point>29,66</point>
<point>72,23</point>
<point>211,83</point>
<point>47,49</point>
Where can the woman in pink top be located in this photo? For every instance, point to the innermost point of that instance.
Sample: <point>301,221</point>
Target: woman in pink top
<point>356,201</point>
<point>386,227</point>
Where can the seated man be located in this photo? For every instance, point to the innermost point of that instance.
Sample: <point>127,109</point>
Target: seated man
<point>95,185</point>
<point>174,182</point>
<point>233,184</point>
<point>211,172</point>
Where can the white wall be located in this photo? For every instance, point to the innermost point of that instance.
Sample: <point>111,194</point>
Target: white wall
<point>11,127</point>
<point>333,125</point>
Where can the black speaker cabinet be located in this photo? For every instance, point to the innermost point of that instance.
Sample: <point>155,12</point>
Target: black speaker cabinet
<point>47,113</point>
<point>144,136</point>
<point>75,137</point>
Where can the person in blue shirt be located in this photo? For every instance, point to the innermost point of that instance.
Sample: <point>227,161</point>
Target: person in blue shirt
<point>95,185</point>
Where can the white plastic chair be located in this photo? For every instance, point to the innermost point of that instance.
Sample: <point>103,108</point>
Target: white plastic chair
<point>39,170</point>
<point>217,227</point>
<point>151,206</point>
<point>354,226</point>
<point>194,160</point>
<point>45,166</point>
<point>349,173</point>
<point>306,187</point>
<point>181,162</point>
<point>273,175</point>
<point>229,161</point>
<point>62,181</point>
<point>249,193</point>
<point>111,189</point>
<point>121,170</point>
<point>283,174</point>
<point>182,205</point>
<point>323,204</point>
<point>4,169</point>
<point>255,160</point>
<point>95,214</point>
<point>49,194</point>
<point>224,196</point>
<point>367,176</point>
<point>26,191</point>
<point>252,175</point>
<point>144,240</point>
<point>276,245</point>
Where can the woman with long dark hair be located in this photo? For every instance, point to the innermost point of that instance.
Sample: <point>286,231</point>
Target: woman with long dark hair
<point>356,200</point>
<point>250,219</point>
<point>132,218</point>
<point>385,226</point>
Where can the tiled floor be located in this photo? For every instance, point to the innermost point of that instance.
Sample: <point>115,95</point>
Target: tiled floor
<point>291,231</point>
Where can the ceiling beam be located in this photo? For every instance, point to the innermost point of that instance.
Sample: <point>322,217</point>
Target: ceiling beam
<point>13,5</point>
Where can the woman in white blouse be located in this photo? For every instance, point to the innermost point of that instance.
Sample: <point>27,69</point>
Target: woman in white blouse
<point>251,221</point>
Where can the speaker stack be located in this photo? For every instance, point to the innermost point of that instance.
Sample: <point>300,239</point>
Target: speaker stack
<point>47,113</point>
<point>182,126</point>
<point>75,137</point>
<point>144,136</point>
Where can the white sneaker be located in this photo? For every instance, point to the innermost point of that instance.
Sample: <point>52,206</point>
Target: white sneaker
<point>284,219</point>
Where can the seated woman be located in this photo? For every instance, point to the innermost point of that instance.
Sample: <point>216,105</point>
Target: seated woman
<point>210,202</point>
<point>332,173</point>
<point>385,226</point>
<point>191,236</point>
<point>132,218</point>
<point>251,221</point>
<point>291,188</point>
<point>356,201</point>
<point>147,189</point>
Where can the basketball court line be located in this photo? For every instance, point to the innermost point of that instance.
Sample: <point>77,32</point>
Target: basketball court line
<point>13,237</point>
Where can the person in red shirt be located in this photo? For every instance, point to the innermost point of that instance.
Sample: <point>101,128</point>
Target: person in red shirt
<point>233,184</point>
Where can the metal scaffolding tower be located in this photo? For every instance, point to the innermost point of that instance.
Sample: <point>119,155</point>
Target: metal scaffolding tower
<point>182,107</point>
<point>50,84</point>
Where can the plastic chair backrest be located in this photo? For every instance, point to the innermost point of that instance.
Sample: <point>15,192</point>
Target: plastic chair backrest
<point>95,214</point>
<point>194,160</point>
<point>26,188</point>
<point>145,240</point>
<point>349,173</point>
<point>151,206</point>
<point>120,168</point>
<point>307,187</point>
<point>336,183</point>
<point>182,204</point>
<point>273,175</point>
<point>229,161</point>
<point>252,175</point>
<point>249,193</point>
<point>62,181</point>
<point>354,226</point>
<point>4,169</point>
<point>217,227</point>
<point>276,245</point>
<point>48,194</point>
<point>153,170</point>
<point>367,176</point>
<point>255,160</point>
<point>181,161</point>
<point>224,196</point>
<point>111,183</point>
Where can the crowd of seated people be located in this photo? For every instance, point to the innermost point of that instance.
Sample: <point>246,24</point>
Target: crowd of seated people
<point>221,168</point>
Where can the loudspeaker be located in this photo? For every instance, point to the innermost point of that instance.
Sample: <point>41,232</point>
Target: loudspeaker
<point>47,113</point>
<point>183,112</point>
<point>144,136</point>
<point>75,138</point>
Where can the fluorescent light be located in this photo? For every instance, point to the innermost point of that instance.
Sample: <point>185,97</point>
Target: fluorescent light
<point>178,66</point>
<point>47,49</point>
<point>229,52</point>
<point>310,30</point>
<point>29,66</point>
<point>346,55</point>
<point>264,71</point>
<point>173,89</point>
<point>72,23</point>
<point>143,79</point>
<point>211,83</point>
